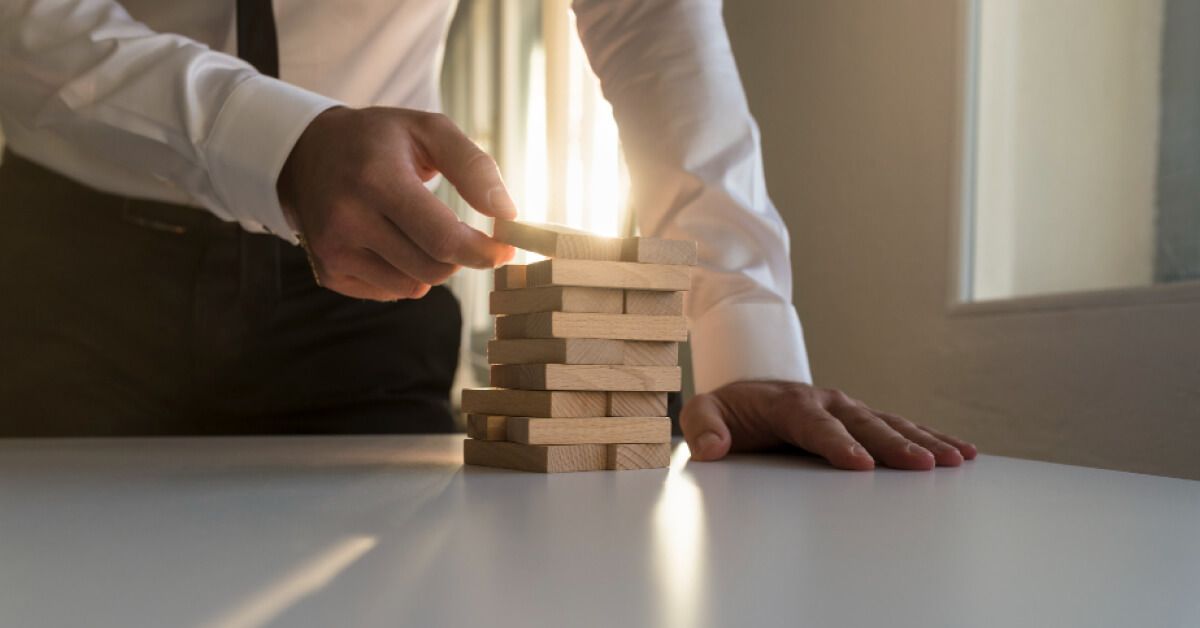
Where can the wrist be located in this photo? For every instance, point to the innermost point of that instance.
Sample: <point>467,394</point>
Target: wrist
<point>296,168</point>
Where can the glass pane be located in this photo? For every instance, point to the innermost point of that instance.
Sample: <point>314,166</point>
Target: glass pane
<point>1086,146</point>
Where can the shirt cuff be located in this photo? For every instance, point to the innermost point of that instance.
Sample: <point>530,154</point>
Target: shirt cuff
<point>745,341</point>
<point>251,139</point>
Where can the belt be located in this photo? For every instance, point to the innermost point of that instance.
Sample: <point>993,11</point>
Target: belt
<point>258,254</point>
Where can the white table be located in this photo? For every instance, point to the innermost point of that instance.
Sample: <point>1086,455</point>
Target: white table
<point>369,531</point>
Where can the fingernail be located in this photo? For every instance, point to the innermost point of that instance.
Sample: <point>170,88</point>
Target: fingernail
<point>917,450</point>
<point>501,203</point>
<point>707,443</point>
<point>857,450</point>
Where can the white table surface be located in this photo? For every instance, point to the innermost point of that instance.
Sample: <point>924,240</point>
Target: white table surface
<point>370,531</point>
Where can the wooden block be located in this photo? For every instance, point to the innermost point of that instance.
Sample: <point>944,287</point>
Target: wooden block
<point>557,240</point>
<point>566,243</point>
<point>659,251</point>
<point>586,377</point>
<point>486,426</point>
<point>558,299</point>
<point>556,403</point>
<point>509,277</point>
<point>653,303</point>
<point>540,458</point>
<point>642,353</point>
<point>639,456</point>
<point>594,274</point>
<point>569,351</point>
<point>585,325</point>
<point>636,404</point>
<point>538,431</point>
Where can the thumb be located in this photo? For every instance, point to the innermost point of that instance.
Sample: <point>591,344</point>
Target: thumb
<point>703,424</point>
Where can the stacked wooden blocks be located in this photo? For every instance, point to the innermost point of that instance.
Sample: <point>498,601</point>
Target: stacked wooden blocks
<point>585,352</point>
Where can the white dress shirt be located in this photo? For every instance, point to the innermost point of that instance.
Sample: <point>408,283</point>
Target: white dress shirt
<point>146,98</point>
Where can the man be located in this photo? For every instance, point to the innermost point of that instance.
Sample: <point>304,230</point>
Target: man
<point>129,310</point>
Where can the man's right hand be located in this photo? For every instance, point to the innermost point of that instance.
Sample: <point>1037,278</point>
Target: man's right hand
<point>354,187</point>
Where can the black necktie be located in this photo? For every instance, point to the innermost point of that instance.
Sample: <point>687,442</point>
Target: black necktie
<point>258,45</point>
<point>256,40</point>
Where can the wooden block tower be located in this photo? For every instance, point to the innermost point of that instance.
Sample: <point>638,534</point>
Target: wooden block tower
<point>585,352</point>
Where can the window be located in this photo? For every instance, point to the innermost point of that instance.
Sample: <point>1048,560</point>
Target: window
<point>1086,146</point>
<point>517,80</point>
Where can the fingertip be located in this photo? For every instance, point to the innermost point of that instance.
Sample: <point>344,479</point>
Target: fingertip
<point>709,446</point>
<point>856,459</point>
<point>500,204</point>
<point>968,451</point>
<point>949,457</point>
<point>509,253</point>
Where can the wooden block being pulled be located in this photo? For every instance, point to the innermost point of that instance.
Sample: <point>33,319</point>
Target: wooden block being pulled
<point>558,299</point>
<point>586,377</point>
<point>565,351</point>
<point>509,277</point>
<point>557,240</point>
<point>557,403</point>
<point>639,456</point>
<point>653,303</point>
<point>586,325</point>
<point>643,353</point>
<point>594,274</point>
<point>540,458</point>
<point>636,404</point>
<point>659,251</point>
<point>487,426</point>
<point>538,431</point>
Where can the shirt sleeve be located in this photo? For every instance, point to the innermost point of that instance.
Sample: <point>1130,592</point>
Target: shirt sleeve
<point>84,74</point>
<point>696,167</point>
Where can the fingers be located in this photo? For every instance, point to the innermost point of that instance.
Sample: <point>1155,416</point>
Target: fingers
<point>400,252</point>
<point>368,276</point>
<point>823,434</point>
<point>883,441</point>
<point>704,428</point>
<point>967,450</point>
<point>944,453</point>
<point>472,172</point>
<point>357,288</point>
<point>434,228</point>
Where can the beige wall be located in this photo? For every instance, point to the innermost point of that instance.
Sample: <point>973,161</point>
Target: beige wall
<point>858,101</point>
<point>1067,145</point>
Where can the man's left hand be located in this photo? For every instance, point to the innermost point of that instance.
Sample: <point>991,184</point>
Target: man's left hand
<point>755,415</point>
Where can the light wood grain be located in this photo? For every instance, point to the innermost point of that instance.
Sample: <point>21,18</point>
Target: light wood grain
<point>538,458</point>
<point>541,403</point>
<point>487,426</point>
<point>659,251</point>
<point>509,277</point>
<point>653,303</point>
<point>586,377</point>
<point>558,241</point>
<point>638,456</point>
<point>636,404</point>
<point>569,351</point>
<point>586,325</point>
<point>642,353</point>
<point>557,299</point>
<point>594,274</point>
<point>540,431</point>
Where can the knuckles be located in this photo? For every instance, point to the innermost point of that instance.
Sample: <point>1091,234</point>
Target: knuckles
<point>435,123</point>
<point>444,246</point>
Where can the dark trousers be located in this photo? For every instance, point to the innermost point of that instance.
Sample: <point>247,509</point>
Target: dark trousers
<point>135,317</point>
